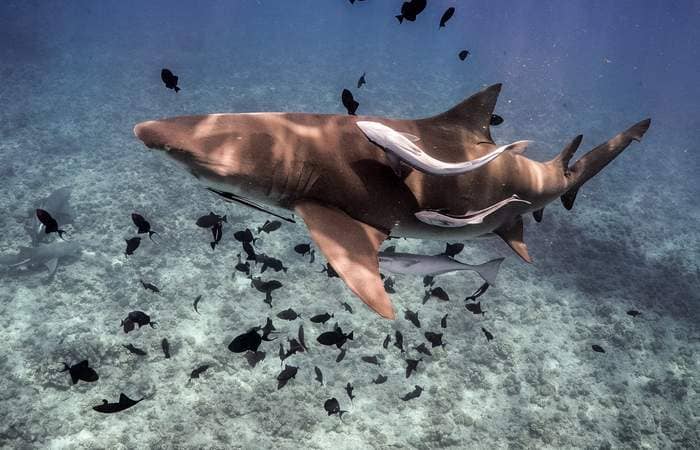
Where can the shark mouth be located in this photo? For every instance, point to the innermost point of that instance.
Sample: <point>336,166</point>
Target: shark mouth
<point>230,197</point>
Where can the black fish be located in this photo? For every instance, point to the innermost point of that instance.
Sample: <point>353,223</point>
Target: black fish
<point>281,353</point>
<point>319,374</point>
<point>321,318</point>
<point>495,120</point>
<point>417,391</point>
<point>411,366</point>
<point>597,348</point>
<point>81,371</point>
<point>463,55</point>
<point>244,236</point>
<point>335,337</point>
<point>273,263</point>
<point>169,79</point>
<point>303,249</point>
<point>347,307</point>
<point>300,336</point>
<point>131,245</point>
<point>475,308</point>
<point>269,226</point>
<point>139,318</point>
<point>267,329</point>
<point>210,220</point>
<point>398,343</point>
<point>196,302</point>
<point>50,224</point>
<point>423,349</point>
<point>349,102</point>
<point>361,81</point>
<point>438,293</point>
<point>287,374</point>
<point>349,389</point>
<point>165,345</point>
<point>143,225</point>
<point>387,339</point>
<point>243,267</point>
<point>150,287</point>
<point>410,9</point>
<point>371,360</point>
<point>452,250</point>
<point>333,407</point>
<point>294,348</point>
<point>478,293</point>
<point>389,285</point>
<point>447,15</point>
<point>434,338</point>
<point>266,287</point>
<point>488,335</point>
<point>249,251</point>
<point>340,356</point>
<point>633,313</point>
<point>381,379</point>
<point>443,321</point>
<point>246,341</point>
<point>330,271</point>
<point>124,403</point>
<point>134,350</point>
<point>412,316</point>
<point>288,314</point>
<point>216,232</point>
<point>198,371</point>
<point>428,281</point>
<point>254,358</point>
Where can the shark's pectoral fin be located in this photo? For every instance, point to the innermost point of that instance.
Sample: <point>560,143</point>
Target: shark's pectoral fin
<point>512,234</point>
<point>351,247</point>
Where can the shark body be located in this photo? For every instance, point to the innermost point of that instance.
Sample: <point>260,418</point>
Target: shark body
<point>345,186</point>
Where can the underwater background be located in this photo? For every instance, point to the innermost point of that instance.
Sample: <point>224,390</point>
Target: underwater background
<point>76,76</point>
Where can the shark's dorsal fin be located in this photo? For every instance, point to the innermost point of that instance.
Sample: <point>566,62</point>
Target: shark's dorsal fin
<point>473,115</point>
<point>512,234</point>
<point>351,247</point>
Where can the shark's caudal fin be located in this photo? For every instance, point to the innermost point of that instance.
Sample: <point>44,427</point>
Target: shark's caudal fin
<point>351,248</point>
<point>593,162</point>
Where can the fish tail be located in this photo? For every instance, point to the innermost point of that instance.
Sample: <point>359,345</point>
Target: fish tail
<point>150,236</point>
<point>224,219</point>
<point>399,18</point>
<point>489,270</point>
<point>213,245</point>
<point>177,89</point>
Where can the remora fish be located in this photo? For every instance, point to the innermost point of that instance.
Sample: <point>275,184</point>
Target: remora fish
<point>413,264</point>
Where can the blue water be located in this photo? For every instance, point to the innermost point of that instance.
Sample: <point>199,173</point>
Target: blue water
<point>75,77</point>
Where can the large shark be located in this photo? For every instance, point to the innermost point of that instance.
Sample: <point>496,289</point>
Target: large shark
<point>341,177</point>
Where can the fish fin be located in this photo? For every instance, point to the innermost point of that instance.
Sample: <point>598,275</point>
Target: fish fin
<point>563,158</point>
<point>74,377</point>
<point>569,198</point>
<point>124,399</point>
<point>512,234</point>
<point>489,270</point>
<point>350,246</point>
<point>538,215</point>
<point>51,264</point>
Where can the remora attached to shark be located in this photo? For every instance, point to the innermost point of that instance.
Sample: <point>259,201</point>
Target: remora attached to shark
<point>341,179</point>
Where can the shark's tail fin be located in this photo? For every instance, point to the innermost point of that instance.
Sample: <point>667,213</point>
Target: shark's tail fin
<point>489,270</point>
<point>593,162</point>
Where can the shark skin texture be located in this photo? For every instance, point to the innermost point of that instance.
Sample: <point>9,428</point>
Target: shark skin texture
<point>346,187</point>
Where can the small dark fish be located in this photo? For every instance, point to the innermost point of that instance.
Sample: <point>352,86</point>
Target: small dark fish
<point>135,350</point>
<point>321,318</point>
<point>330,271</point>
<point>340,356</point>
<point>269,226</point>
<point>303,249</point>
<point>423,349</point>
<point>417,391</point>
<point>287,374</point>
<point>496,120</point>
<point>443,321</point>
<point>150,287</point>
<point>244,236</point>
<point>349,389</point>
<point>143,225</point>
<point>124,403</point>
<point>81,371</point>
<point>412,366</point>
<point>435,339</point>
<point>438,293</point>
<point>273,263</point>
<point>381,379</point>
<point>216,231</point>
<point>131,245</point>
<point>475,308</point>
<point>412,316</point>
<point>447,15</point>
<point>371,360</point>
<point>139,318</point>
<point>165,345</point>
<point>267,329</point>
<point>361,81</point>
<point>335,337</point>
<point>319,374</point>
<point>633,313</point>
<point>281,353</point>
<point>196,302</point>
<point>288,314</point>
<point>169,79</point>
<point>398,343</point>
<point>266,287</point>
<point>333,407</point>
<point>387,339</point>
<point>198,371</point>
<point>478,293</point>
<point>453,250</point>
<point>463,55</point>
<point>389,285</point>
<point>50,224</point>
<point>597,348</point>
<point>428,281</point>
<point>243,266</point>
<point>210,220</point>
<point>246,341</point>
<point>347,307</point>
<point>254,358</point>
<point>349,102</point>
<point>300,336</point>
<point>249,251</point>
<point>410,9</point>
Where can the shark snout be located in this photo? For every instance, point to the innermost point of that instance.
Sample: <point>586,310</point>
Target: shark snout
<point>148,133</point>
